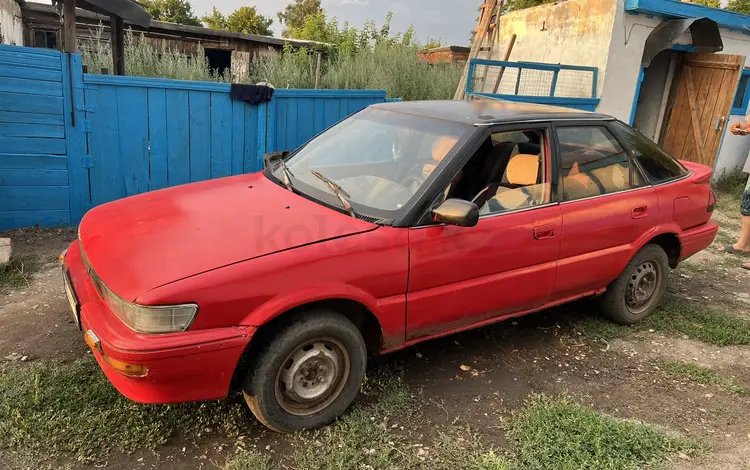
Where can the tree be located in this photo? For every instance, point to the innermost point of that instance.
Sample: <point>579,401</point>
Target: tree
<point>432,44</point>
<point>295,14</point>
<point>708,3</point>
<point>242,20</point>
<point>174,11</point>
<point>740,6</point>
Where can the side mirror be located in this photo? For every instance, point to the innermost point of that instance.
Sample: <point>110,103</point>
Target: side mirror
<point>270,159</point>
<point>456,212</point>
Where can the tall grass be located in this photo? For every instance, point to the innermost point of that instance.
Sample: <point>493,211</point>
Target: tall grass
<point>394,68</point>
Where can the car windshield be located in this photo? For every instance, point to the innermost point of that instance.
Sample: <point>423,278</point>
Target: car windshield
<point>379,158</point>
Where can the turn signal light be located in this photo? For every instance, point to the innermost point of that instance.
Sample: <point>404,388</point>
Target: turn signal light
<point>125,368</point>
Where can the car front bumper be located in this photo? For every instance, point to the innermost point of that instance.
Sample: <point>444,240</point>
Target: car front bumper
<point>180,367</point>
<point>696,239</point>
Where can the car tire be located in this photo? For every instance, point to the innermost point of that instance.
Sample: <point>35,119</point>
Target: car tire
<point>636,293</point>
<point>308,374</point>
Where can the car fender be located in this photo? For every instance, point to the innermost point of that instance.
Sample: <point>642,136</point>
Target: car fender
<point>319,292</point>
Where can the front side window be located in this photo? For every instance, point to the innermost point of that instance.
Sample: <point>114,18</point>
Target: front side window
<point>593,163</point>
<point>508,172</point>
<point>656,163</point>
<point>379,158</point>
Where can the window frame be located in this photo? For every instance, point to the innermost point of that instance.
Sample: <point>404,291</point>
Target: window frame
<point>633,164</point>
<point>438,186</point>
<point>631,152</point>
<point>742,110</point>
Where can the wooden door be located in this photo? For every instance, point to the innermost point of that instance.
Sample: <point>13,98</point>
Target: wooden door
<point>701,107</point>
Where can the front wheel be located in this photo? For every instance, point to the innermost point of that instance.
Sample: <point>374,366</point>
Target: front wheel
<point>309,374</point>
<point>636,293</point>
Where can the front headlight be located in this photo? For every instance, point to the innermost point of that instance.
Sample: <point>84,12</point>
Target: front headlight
<point>150,319</point>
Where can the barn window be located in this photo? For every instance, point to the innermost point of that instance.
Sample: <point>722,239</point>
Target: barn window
<point>219,60</point>
<point>45,39</point>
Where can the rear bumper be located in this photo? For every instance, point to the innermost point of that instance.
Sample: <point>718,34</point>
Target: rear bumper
<point>187,366</point>
<point>696,239</point>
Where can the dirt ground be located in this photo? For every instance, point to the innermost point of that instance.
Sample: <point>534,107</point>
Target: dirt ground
<point>541,353</point>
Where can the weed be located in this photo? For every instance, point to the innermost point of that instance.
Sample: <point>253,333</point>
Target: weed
<point>676,318</point>
<point>698,374</point>
<point>557,432</point>
<point>17,273</point>
<point>53,410</point>
<point>682,318</point>
<point>461,448</point>
<point>248,460</point>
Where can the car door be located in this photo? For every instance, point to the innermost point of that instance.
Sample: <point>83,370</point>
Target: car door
<point>462,276</point>
<point>606,208</point>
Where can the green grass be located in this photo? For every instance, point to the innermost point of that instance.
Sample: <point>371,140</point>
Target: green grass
<point>248,460</point>
<point>729,188</point>
<point>51,410</point>
<point>676,318</point>
<point>686,371</point>
<point>558,433</point>
<point>17,273</point>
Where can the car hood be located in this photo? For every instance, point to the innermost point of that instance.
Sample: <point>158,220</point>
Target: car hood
<point>142,242</point>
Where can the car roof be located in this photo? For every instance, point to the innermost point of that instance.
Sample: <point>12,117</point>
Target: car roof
<point>487,111</point>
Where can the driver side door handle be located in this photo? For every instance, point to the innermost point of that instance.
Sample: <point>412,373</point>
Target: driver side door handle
<point>544,232</point>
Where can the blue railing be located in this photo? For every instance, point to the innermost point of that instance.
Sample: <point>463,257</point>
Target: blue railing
<point>519,83</point>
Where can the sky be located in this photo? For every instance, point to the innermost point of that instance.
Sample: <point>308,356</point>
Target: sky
<point>451,21</point>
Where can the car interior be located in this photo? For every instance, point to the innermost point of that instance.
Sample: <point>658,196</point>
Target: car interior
<point>506,173</point>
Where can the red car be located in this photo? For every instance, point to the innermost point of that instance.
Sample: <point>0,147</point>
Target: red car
<point>404,222</point>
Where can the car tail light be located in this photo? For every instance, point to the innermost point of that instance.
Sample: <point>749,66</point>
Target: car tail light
<point>711,201</point>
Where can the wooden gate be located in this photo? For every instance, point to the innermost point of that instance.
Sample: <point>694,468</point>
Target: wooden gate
<point>701,107</point>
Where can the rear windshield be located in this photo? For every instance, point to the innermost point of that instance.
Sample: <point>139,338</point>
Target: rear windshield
<point>657,164</point>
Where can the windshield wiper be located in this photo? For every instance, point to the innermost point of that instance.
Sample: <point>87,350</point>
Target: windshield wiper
<point>338,191</point>
<point>287,175</point>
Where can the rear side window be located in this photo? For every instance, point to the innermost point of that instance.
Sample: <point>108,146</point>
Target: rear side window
<point>657,164</point>
<point>593,163</point>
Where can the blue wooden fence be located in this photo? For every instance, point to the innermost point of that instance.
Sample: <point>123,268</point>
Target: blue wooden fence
<point>70,141</point>
<point>33,113</point>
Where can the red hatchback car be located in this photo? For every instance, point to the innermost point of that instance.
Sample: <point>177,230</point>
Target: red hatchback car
<point>404,222</point>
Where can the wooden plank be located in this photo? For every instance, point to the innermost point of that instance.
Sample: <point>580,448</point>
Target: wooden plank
<point>221,135</point>
<point>29,198</point>
<point>117,40</point>
<point>30,87</point>
<point>250,137</point>
<point>331,113</point>
<point>721,109</point>
<point>265,118</point>
<point>157,137</point>
<point>178,137</point>
<point>694,120</point>
<point>506,57</point>
<point>7,60</point>
<point>238,136</point>
<point>32,52</point>
<point>677,131</point>
<point>200,135</point>
<point>38,145</point>
<point>319,123</point>
<point>31,73</point>
<point>34,177</point>
<point>107,182</point>
<point>479,34</point>
<point>305,120</point>
<point>69,26</point>
<point>31,130</point>
<point>44,218</point>
<point>712,64</point>
<point>22,57</point>
<point>75,136</point>
<point>31,118</point>
<point>132,110</point>
<point>32,162</point>
<point>290,128</point>
<point>280,126</point>
<point>17,102</point>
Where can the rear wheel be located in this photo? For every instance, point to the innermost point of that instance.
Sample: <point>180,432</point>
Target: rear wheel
<point>308,374</point>
<point>636,293</point>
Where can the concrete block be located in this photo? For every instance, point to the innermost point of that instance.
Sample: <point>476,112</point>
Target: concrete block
<point>5,251</point>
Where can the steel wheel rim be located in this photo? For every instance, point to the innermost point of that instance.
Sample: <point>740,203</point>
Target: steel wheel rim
<point>312,376</point>
<point>642,286</point>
